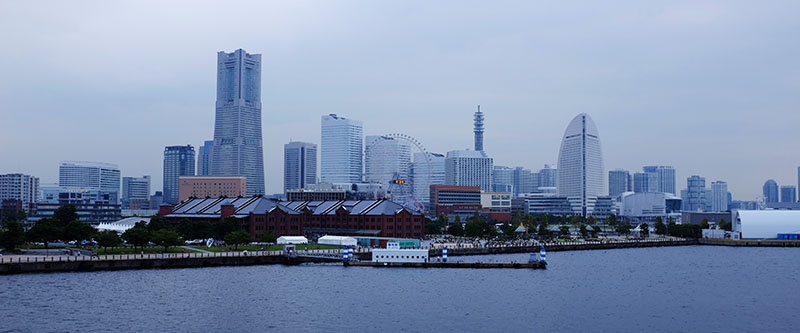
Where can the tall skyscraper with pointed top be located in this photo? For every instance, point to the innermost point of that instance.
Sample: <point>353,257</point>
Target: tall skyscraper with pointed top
<point>237,143</point>
<point>478,129</point>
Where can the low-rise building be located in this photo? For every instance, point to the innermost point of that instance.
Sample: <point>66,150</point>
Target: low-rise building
<point>211,187</point>
<point>453,200</point>
<point>93,206</point>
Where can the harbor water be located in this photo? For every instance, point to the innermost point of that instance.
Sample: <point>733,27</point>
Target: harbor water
<point>687,288</point>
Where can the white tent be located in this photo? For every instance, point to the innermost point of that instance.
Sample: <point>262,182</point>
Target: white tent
<point>337,240</point>
<point>292,240</point>
<point>122,225</point>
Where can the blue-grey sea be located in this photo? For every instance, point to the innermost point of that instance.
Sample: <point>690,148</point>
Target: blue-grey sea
<point>670,289</point>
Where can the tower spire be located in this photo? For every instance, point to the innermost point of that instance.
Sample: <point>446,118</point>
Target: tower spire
<point>478,129</point>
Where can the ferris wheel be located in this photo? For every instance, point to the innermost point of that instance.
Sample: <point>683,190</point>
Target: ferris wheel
<point>389,162</point>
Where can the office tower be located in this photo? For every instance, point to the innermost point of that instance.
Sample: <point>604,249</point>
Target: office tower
<point>666,177</point>
<point>237,129</point>
<point>299,165</point>
<point>468,168</point>
<point>788,193</point>
<point>770,191</point>
<point>204,158</point>
<point>136,192</point>
<point>696,197</point>
<point>178,161</point>
<point>580,165</point>
<point>478,118</point>
<point>21,188</point>
<point>156,200</point>
<point>525,181</point>
<point>548,176</point>
<point>645,182</point>
<point>424,173</point>
<point>719,196</point>
<point>386,158</point>
<point>90,175</point>
<point>503,179</point>
<point>618,182</point>
<point>342,150</point>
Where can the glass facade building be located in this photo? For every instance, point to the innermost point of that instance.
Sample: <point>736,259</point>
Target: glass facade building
<point>580,165</point>
<point>426,173</point>
<point>136,192</point>
<point>299,165</point>
<point>237,143</point>
<point>178,161</point>
<point>468,168</point>
<point>619,181</point>
<point>342,150</point>
<point>788,193</point>
<point>90,175</point>
<point>204,158</point>
<point>665,177</point>
<point>719,196</point>
<point>770,191</point>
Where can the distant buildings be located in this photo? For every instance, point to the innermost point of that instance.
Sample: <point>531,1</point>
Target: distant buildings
<point>645,182</point>
<point>461,201</point>
<point>719,196</point>
<point>24,189</point>
<point>341,150</point>
<point>386,158</point>
<point>580,165</point>
<point>156,200</point>
<point>619,181</point>
<point>788,193</point>
<point>524,181</point>
<point>468,168</point>
<point>136,192</point>
<point>770,191</point>
<point>90,175</point>
<point>211,187</point>
<point>426,171</point>
<point>503,179</point>
<point>548,176</point>
<point>696,198</point>
<point>178,161</point>
<point>647,206</point>
<point>93,205</point>
<point>237,129</point>
<point>204,158</point>
<point>665,178</point>
<point>299,165</point>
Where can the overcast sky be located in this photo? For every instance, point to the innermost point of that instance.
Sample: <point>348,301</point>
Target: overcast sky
<point>710,87</point>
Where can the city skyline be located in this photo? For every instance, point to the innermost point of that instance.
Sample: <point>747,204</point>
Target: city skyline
<point>644,121</point>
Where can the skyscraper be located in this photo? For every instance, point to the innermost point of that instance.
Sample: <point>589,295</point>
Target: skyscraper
<point>770,191</point>
<point>525,181</point>
<point>136,192</point>
<point>645,182</point>
<point>696,197</point>
<point>178,161</point>
<point>548,176</point>
<point>665,175</point>
<point>204,158</point>
<point>618,182</point>
<point>719,196</point>
<point>237,129</point>
<point>503,179</point>
<point>342,150</point>
<point>478,129</point>
<point>788,193</point>
<point>90,175</point>
<point>299,165</point>
<point>580,165</point>
<point>23,188</point>
<point>468,168</point>
<point>385,158</point>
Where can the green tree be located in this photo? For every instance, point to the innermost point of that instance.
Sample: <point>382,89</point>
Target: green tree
<point>456,229</point>
<point>267,237</point>
<point>65,214</point>
<point>237,238</point>
<point>661,228</point>
<point>575,221</point>
<point>592,220</point>
<point>594,229</point>
<point>108,238</point>
<point>45,231</point>
<point>704,223</point>
<point>138,236</point>
<point>612,221</point>
<point>435,227</point>
<point>563,231</point>
<point>544,229</point>
<point>166,238</point>
<point>584,231</point>
<point>724,225</point>
<point>158,223</point>
<point>226,226</point>
<point>13,236</point>
<point>509,229</point>
<point>78,231</point>
<point>624,228</point>
<point>644,229</point>
<point>475,227</point>
<point>13,215</point>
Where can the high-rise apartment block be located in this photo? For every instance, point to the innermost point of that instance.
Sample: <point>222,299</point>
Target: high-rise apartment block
<point>548,176</point>
<point>619,181</point>
<point>204,158</point>
<point>788,193</point>
<point>342,150</point>
<point>468,168</point>
<point>719,196</point>
<point>90,175</point>
<point>645,182</point>
<point>237,148</point>
<point>136,192</point>
<point>580,165</point>
<point>770,191</point>
<point>524,181</point>
<point>178,161</point>
<point>503,179</point>
<point>696,197</point>
<point>21,188</point>
<point>299,165</point>
<point>665,176</point>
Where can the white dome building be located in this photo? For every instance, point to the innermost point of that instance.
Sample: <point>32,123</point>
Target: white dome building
<point>580,165</point>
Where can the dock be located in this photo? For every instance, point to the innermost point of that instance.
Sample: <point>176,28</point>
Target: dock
<point>539,265</point>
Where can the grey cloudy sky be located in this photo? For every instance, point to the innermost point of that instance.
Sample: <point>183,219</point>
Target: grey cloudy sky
<point>710,87</point>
